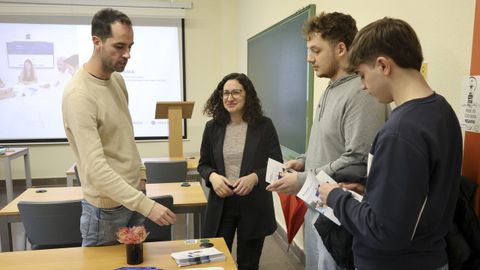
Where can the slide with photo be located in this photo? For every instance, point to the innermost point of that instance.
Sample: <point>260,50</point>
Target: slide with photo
<point>38,60</point>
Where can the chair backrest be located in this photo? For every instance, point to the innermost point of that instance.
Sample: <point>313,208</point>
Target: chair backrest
<point>52,224</point>
<point>157,232</point>
<point>166,171</point>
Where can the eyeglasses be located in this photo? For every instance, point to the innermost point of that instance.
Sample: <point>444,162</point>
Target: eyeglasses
<point>235,93</point>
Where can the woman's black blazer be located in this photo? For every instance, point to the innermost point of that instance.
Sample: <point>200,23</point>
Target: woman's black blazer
<point>257,214</point>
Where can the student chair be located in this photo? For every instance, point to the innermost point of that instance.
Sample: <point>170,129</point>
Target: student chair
<point>52,224</point>
<point>168,171</point>
<point>157,232</point>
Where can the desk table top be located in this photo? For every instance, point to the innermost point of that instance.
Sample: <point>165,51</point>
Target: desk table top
<point>13,151</point>
<point>108,257</point>
<point>182,196</point>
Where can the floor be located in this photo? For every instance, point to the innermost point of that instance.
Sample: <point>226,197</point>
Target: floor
<point>275,255</point>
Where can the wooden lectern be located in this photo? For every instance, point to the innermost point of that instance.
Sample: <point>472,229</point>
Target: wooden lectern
<point>174,111</point>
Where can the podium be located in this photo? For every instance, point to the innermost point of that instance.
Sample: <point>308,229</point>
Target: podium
<point>174,111</point>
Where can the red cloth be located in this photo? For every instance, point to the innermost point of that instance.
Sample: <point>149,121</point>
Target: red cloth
<point>294,210</point>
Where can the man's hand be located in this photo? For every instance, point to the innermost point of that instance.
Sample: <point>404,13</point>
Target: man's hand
<point>220,185</point>
<point>161,215</point>
<point>244,185</point>
<point>358,188</point>
<point>324,189</point>
<point>288,184</point>
<point>295,164</point>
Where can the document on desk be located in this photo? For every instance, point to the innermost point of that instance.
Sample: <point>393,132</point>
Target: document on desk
<point>310,195</point>
<point>198,256</point>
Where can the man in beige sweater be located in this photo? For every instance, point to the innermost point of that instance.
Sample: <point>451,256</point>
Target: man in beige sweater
<point>100,132</point>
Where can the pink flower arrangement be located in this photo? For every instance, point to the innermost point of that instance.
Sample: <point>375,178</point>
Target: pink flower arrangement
<point>132,235</point>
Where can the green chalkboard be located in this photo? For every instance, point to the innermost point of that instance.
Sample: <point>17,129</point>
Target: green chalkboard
<point>277,65</point>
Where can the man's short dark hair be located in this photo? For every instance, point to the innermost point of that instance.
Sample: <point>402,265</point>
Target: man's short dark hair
<point>334,27</point>
<point>102,22</point>
<point>393,38</point>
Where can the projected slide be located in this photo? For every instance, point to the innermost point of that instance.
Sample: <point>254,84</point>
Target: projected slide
<point>37,60</point>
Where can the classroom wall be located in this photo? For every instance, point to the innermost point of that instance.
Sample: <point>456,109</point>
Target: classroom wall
<point>216,33</point>
<point>444,28</point>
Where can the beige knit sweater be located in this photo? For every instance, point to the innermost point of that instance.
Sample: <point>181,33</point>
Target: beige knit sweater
<point>99,129</point>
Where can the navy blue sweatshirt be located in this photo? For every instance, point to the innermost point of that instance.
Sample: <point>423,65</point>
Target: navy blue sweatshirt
<point>411,189</point>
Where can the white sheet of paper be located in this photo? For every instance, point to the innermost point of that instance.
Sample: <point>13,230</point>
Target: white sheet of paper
<point>325,178</point>
<point>309,194</point>
<point>187,254</point>
<point>328,212</point>
<point>274,168</point>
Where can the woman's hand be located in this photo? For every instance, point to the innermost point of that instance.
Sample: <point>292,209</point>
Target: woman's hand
<point>244,185</point>
<point>220,185</point>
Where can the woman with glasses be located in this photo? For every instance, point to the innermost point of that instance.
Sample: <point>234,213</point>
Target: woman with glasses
<point>236,145</point>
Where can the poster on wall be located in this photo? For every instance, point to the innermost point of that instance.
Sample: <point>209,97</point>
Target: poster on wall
<point>470,104</point>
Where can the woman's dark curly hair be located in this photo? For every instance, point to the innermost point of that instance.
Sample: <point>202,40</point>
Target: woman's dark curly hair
<point>252,110</point>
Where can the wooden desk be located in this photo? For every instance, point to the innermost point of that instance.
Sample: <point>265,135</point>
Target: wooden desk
<point>185,200</point>
<point>192,164</point>
<point>11,154</point>
<point>108,257</point>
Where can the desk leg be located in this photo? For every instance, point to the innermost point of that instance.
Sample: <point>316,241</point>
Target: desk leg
<point>8,180</point>
<point>6,234</point>
<point>187,226</point>
<point>28,174</point>
<point>197,224</point>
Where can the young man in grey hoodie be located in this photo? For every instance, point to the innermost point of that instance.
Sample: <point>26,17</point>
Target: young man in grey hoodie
<point>346,121</point>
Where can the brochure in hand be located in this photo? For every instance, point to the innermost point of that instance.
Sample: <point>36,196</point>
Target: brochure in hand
<point>274,169</point>
<point>310,195</point>
<point>198,256</point>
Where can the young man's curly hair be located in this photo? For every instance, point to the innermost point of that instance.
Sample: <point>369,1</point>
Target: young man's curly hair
<point>334,27</point>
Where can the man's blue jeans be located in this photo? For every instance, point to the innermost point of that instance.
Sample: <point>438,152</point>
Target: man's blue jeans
<point>99,225</point>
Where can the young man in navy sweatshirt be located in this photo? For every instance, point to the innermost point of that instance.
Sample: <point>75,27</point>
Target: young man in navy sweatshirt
<point>412,186</point>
